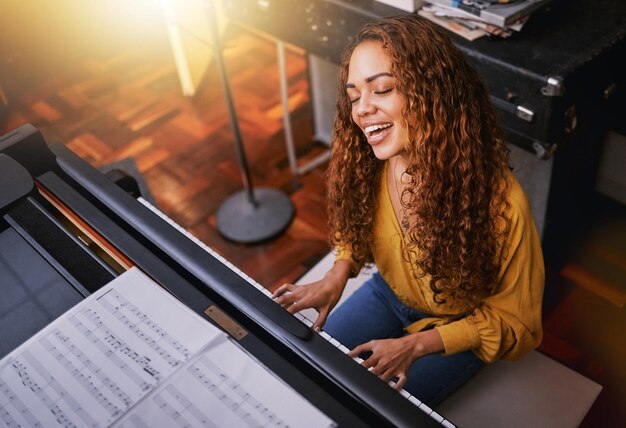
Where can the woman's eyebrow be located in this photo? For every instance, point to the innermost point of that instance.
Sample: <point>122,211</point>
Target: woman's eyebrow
<point>377,75</point>
<point>370,79</point>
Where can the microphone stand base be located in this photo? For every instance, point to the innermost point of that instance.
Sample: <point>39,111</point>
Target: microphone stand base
<point>239,220</point>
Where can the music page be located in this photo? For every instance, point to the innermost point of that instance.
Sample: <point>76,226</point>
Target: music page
<point>129,349</point>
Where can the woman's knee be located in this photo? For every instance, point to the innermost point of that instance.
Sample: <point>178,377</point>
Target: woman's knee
<point>435,377</point>
<point>364,316</point>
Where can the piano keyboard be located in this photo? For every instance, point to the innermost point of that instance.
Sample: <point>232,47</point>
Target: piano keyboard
<point>305,319</point>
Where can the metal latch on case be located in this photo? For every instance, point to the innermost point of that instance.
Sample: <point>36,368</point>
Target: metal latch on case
<point>525,114</point>
<point>521,112</point>
<point>554,87</point>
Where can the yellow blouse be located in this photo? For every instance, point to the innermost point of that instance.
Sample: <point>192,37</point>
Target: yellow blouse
<point>508,324</point>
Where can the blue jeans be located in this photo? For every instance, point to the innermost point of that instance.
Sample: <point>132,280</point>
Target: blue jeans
<point>374,312</point>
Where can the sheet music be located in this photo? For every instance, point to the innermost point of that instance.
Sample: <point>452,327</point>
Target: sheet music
<point>223,387</point>
<point>128,341</point>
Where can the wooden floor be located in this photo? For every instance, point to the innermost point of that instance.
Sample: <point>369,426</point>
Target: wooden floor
<point>130,105</point>
<point>112,104</point>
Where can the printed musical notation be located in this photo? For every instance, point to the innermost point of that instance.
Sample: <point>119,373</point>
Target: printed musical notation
<point>224,386</point>
<point>131,355</point>
<point>104,355</point>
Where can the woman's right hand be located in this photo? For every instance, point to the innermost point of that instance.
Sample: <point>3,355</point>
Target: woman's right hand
<point>322,295</point>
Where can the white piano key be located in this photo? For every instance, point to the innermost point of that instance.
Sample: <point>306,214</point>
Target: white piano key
<point>425,408</point>
<point>436,416</point>
<point>414,400</point>
<point>307,322</point>
<point>310,313</point>
<point>325,335</point>
<point>343,349</point>
<point>335,342</point>
<point>265,291</point>
<point>299,316</point>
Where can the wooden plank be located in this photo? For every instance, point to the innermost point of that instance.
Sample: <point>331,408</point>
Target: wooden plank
<point>46,112</point>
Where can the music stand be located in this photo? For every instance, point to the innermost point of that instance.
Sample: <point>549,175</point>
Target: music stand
<point>249,215</point>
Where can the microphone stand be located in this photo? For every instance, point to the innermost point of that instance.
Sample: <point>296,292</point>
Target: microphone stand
<point>249,215</point>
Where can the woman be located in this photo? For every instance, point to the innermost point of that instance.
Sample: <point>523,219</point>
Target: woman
<point>419,185</point>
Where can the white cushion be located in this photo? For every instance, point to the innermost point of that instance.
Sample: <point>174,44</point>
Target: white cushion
<point>535,391</point>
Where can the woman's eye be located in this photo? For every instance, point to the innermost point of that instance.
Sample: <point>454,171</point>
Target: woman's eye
<point>381,92</point>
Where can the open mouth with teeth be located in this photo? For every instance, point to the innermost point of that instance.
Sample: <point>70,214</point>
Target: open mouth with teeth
<point>377,131</point>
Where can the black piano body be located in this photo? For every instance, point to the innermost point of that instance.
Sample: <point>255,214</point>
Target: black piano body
<point>46,268</point>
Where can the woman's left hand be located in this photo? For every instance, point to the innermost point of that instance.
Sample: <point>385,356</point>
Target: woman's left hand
<point>392,358</point>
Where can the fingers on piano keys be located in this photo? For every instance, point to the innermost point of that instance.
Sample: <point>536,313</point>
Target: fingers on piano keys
<point>403,392</point>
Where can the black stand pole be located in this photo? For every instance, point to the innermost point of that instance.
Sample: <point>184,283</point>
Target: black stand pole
<point>250,215</point>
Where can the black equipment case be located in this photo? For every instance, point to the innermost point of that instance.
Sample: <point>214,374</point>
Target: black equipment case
<point>566,66</point>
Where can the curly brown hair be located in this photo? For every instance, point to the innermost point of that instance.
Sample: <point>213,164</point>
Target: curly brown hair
<point>457,161</point>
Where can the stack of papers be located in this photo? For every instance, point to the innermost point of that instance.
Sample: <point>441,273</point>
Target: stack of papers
<point>473,19</point>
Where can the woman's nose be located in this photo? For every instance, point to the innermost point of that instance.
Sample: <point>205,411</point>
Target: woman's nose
<point>364,106</point>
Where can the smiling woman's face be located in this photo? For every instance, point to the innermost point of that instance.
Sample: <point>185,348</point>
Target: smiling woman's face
<point>376,103</point>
